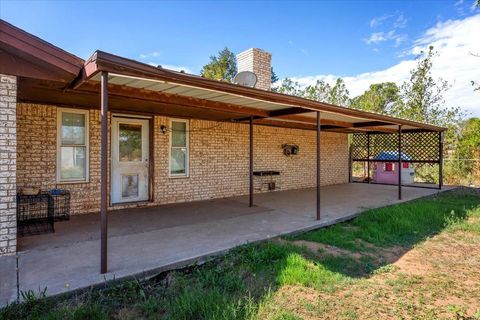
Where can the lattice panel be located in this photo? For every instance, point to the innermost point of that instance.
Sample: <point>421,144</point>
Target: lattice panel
<point>384,143</point>
<point>359,146</point>
<point>421,146</point>
<point>416,146</point>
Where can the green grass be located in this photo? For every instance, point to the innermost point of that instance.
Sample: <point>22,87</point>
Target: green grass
<point>243,283</point>
<point>401,225</point>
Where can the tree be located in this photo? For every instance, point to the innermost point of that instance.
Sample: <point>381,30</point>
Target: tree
<point>423,98</point>
<point>288,86</point>
<point>379,98</point>
<point>273,77</point>
<point>468,151</point>
<point>339,94</point>
<point>317,92</point>
<point>469,140</point>
<point>475,85</point>
<point>223,67</point>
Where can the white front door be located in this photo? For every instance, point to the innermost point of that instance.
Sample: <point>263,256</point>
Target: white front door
<point>129,159</point>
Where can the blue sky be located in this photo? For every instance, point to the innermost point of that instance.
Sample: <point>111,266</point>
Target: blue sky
<point>307,39</point>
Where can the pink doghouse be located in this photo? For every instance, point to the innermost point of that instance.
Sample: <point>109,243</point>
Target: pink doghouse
<point>385,169</point>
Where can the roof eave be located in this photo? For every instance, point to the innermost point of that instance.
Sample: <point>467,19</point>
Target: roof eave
<point>45,60</point>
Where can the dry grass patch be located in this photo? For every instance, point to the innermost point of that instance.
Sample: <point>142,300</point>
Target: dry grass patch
<point>437,279</point>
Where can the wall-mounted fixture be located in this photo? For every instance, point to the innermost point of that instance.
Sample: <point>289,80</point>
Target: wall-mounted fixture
<point>290,149</point>
<point>163,129</point>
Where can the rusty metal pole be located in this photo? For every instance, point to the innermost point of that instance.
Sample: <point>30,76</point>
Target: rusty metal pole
<point>368,157</point>
<point>250,202</point>
<point>440,160</point>
<point>318,165</point>
<point>399,162</point>
<point>103,165</point>
<point>350,164</point>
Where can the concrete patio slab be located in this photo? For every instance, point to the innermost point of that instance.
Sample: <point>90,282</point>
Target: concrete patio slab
<point>145,241</point>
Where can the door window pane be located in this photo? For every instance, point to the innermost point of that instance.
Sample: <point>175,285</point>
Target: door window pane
<point>178,161</point>
<point>179,134</point>
<point>129,186</point>
<point>130,142</point>
<point>73,128</point>
<point>73,163</point>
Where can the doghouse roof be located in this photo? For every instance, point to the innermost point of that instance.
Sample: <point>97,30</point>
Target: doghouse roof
<point>391,155</point>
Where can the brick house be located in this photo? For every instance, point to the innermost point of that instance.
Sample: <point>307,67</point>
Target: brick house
<point>118,133</point>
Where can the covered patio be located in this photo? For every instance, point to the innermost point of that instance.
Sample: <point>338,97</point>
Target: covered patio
<point>146,241</point>
<point>236,132</point>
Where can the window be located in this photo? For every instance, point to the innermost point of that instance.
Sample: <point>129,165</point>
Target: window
<point>179,148</point>
<point>388,167</point>
<point>72,145</point>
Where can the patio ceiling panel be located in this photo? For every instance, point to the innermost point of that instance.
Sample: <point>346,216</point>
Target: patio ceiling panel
<point>278,109</point>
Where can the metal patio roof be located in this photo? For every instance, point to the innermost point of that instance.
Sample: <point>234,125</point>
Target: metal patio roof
<point>265,106</point>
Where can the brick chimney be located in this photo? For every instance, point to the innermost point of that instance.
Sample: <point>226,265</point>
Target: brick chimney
<point>258,62</point>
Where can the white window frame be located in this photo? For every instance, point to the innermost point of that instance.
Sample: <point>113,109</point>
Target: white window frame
<point>187,145</point>
<point>60,111</point>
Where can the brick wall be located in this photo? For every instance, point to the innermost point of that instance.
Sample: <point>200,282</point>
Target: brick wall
<point>37,155</point>
<point>8,216</point>
<point>218,158</point>
<point>259,62</point>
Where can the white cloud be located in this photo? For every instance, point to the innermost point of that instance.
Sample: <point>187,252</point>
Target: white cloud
<point>400,22</point>
<point>377,21</point>
<point>304,51</point>
<point>463,7</point>
<point>149,55</point>
<point>454,40</point>
<point>394,22</point>
<point>473,6</point>
<point>378,37</point>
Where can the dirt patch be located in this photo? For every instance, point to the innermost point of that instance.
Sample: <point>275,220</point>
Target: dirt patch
<point>321,248</point>
<point>436,279</point>
<point>380,255</point>
<point>413,263</point>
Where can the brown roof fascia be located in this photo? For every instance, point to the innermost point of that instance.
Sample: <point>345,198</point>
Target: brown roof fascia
<point>30,47</point>
<point>102,61</point>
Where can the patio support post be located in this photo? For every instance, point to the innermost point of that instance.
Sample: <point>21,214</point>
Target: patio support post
<point>368,157</point>
<point>103,164</point>
<point>250,202</point>
<point>318,165</point>
<point>350,164</point>
<point>440,160</point>
<point>399,162</point>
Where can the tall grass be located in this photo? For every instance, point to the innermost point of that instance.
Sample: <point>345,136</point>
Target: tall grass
<point>402,224</point>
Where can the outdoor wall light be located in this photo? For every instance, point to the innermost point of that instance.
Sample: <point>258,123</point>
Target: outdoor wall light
<point>163,129</point>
